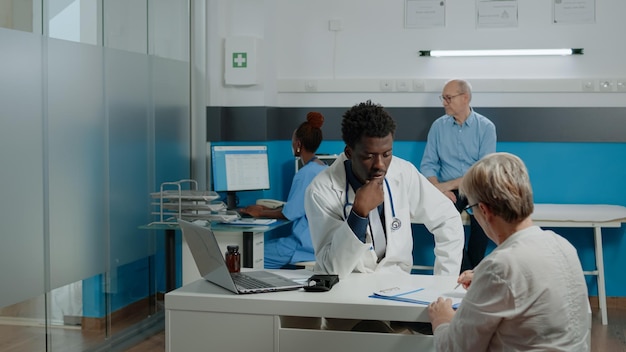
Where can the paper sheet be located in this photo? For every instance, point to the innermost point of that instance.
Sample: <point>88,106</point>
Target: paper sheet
<point>419,295</point>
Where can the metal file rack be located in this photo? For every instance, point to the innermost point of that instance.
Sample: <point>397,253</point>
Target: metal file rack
<point>182,199</point>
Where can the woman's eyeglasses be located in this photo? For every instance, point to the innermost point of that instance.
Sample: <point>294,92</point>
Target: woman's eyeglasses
<point>468,209</point>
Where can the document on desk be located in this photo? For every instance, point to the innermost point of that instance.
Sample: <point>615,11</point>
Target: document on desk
<point>250,221</point>
<point>419,295</point>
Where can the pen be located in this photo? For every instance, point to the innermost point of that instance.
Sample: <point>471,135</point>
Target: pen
<point>457,285</point>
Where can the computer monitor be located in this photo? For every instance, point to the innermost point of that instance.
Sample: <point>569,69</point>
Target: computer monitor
<point>327,159</point>
<point>239,168</point>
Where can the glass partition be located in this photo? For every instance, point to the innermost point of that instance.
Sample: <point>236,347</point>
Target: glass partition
<point>21,15</point>
<point>126,25</point>
<point>95,115</point>
<point>75,20</point>
<point>23,242</point>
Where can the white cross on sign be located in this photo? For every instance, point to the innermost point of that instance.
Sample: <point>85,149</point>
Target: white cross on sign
<point>240,60</point>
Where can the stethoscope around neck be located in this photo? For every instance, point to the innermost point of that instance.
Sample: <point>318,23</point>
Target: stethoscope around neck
<point>395,223</point>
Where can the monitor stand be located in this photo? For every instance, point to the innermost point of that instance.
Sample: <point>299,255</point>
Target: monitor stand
<point>231,200</point>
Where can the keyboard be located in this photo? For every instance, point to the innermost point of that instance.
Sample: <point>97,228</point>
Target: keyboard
<point>252,222</point>
<point>245,281</point>
<point>244,215</point>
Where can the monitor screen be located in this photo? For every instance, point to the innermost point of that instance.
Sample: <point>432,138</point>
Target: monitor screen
<point>327,159</point>
<point>240,168</point>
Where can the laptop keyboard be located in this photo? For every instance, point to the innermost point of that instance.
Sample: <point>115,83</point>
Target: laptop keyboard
<point>248,282</point>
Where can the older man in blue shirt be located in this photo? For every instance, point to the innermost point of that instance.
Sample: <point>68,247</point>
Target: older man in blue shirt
<point>455,142</point>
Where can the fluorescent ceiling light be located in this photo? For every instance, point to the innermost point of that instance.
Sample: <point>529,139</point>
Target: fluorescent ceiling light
<point>511,52</point>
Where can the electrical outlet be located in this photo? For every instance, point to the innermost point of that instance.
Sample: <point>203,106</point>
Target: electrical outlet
<point>386,85</point>
<point>310,86</point>
<point>620,86</point>
<point>588,85</point>
<point>403,85</point>
<point>419,85</point>
<point>606,85</point>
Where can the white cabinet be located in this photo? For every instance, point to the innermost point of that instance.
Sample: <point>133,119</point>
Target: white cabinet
<point>258,250</point>
<point>251,245</point>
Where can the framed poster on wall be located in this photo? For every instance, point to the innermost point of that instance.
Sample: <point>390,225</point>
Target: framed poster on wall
<point>574,11</point>
<point>496,13</point>
<point>424,13</point>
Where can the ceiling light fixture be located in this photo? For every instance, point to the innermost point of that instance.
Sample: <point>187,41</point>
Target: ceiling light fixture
<point>504,52</point>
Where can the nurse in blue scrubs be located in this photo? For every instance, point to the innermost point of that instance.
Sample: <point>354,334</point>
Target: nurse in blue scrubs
<point>284,252</point>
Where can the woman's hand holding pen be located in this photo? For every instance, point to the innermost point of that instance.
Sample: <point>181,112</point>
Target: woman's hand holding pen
<point>441,311</point>
<point>465,279</point>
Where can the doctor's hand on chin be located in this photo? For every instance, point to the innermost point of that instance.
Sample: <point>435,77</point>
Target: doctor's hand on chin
<point>368,197</point>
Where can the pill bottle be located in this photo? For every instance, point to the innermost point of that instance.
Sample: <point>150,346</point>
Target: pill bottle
<point>233,258</point>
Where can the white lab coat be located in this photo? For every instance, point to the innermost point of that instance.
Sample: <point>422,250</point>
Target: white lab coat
<point>415,199</point>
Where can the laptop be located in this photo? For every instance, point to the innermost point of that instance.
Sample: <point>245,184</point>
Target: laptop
<point>210,262</point>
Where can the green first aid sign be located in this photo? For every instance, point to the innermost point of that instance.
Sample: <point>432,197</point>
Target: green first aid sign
<point>240,60</point>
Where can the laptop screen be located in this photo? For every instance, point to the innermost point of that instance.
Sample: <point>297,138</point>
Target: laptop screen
<point>207,255</point>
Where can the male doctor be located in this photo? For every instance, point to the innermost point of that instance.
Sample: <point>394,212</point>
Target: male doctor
<point>361,208</point>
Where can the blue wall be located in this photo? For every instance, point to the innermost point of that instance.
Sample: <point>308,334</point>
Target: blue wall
<point>587,173</point>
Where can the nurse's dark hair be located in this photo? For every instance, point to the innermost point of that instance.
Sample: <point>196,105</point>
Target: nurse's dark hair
<point>310,131</point>
<point>366,120</point>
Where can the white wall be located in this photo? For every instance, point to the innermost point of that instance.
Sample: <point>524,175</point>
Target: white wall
<point>347,65</point>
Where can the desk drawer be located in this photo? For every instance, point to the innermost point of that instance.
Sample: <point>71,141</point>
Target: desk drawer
<point>304,340</point>
<point>206,331</point>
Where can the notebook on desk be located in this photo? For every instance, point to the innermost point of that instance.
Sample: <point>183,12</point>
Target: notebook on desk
<point>210,262</point>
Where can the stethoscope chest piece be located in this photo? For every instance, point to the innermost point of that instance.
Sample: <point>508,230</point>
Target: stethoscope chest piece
<point>396,224</point>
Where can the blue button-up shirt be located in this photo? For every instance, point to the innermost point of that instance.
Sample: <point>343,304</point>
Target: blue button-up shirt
<point>452,148</point>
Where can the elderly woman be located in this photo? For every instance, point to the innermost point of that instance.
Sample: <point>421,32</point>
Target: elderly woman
<point>530,292</point>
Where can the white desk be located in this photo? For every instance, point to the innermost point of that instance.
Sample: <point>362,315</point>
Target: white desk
<point>201,316</point>
<point>594,216</point>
